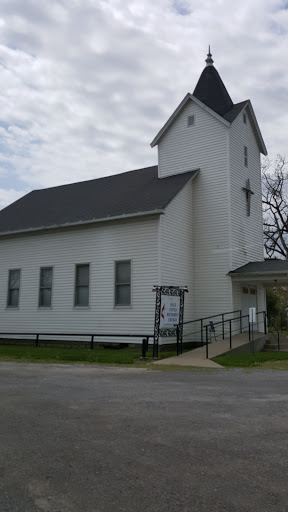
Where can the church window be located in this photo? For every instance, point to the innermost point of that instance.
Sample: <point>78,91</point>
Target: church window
<point>82,285</point>
<point>245,156</point>
<point>191,121</point>
<point>123,283</point>
<point>244,118</point>
<point>13,288</point>
<point>45,288</point>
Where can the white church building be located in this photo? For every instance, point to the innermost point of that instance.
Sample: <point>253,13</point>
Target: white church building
<point>84,257</point>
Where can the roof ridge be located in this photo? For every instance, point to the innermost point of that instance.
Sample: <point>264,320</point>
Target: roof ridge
<point>131,194</point>
<point>93,179</point>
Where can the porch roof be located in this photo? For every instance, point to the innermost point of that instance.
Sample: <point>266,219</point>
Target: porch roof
<point>267,271</point>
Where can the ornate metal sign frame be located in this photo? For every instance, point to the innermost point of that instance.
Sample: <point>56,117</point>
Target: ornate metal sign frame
<point>175,291</point>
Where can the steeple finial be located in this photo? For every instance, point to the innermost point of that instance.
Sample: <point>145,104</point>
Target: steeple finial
<point>209,61</point>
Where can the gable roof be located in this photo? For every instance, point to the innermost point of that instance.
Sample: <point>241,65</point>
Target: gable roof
<point>234,112</point>
<point>212,92</point>
<point>129,194</point>
<point>178,110</point>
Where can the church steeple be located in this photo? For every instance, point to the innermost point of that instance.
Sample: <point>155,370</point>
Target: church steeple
<point>211,90</point>
<point>209,61</point>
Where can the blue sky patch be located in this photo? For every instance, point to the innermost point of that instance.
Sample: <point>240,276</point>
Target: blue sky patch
<point>276,28</point>
<point>181,7</point>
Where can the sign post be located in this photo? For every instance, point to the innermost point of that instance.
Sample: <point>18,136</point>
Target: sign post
<point>252,320</point>
<point>169,312</point>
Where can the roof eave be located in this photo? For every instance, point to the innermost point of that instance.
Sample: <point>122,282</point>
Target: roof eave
<point>177,111</point>
<point>85,222</point>
<point>261,142</point>
<point>258,273</point>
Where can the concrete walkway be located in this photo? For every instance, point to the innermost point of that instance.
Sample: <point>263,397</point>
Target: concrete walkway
<point>197,357</point>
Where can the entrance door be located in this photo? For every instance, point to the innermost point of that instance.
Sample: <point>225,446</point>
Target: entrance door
<point>248,300</point>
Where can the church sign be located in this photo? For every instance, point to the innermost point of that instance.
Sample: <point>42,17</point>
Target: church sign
<point>169,312</point>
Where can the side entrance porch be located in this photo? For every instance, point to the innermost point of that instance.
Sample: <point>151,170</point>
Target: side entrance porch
<point>249,284</point>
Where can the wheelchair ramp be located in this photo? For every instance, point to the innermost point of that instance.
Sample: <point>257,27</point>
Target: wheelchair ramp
<point>197,357</point>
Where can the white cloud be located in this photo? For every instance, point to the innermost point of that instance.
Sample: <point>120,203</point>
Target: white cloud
<point>86,84</point>
<point>8,196</point>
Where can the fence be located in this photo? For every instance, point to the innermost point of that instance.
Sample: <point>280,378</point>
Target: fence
<point>91,337</point>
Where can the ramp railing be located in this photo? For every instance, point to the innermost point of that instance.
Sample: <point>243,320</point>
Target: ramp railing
<point>225,327</point>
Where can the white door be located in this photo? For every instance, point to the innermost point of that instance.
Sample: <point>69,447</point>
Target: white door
<point>248,300</point>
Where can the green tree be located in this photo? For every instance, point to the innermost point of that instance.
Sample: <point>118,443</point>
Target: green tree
<point>277,303</point>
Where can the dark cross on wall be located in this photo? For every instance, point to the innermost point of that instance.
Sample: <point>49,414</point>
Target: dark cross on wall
<point>248,193</point>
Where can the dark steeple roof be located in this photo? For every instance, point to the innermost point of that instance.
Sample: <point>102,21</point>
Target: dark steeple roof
<point>211,90</point>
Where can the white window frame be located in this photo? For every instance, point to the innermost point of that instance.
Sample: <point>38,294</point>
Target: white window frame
<point>122,306</point>
<point>8,289</point>
<point>39,296</point>
<point>80,306</point>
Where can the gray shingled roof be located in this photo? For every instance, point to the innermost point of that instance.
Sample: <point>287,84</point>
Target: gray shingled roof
<point>262,267</point>
<point>131,193</point>
<point>212,92</point>
<point>235,111</point>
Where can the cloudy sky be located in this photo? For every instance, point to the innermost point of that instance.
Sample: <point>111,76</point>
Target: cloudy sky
<point>87,84</point>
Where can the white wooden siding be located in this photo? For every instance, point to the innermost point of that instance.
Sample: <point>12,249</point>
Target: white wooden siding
<point>176,241</point>
<point>261,298</point>
<point>185,148</point>
<point>212,287</point>
<point>246,232</point>
<point>204,146</point>
<point>100,246</point>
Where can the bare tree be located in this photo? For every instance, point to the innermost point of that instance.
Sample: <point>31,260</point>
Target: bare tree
<point>275,207</point>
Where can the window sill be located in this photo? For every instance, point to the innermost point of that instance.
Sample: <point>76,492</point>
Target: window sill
<point>122,307</point>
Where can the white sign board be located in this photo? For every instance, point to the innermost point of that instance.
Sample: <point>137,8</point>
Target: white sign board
<point>252,315</point>
<point>169,311</point>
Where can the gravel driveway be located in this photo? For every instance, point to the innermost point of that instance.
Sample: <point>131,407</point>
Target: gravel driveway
<point>93,439</point>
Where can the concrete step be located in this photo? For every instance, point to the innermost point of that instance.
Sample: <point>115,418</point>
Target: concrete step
<point>274,342</point>
<point>275,349</point>
<point>271,347</point>
<point>282,336</point>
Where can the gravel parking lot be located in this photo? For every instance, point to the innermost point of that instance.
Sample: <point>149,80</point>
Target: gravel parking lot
<point>92,439</point>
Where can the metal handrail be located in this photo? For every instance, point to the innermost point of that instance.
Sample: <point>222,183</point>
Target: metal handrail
<point>201,320</point>
<point>212,316</point>
<point>230,320</point>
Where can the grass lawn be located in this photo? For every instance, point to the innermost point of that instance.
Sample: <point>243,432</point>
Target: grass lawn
<point>277,360</point>
<point>76,355</point>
